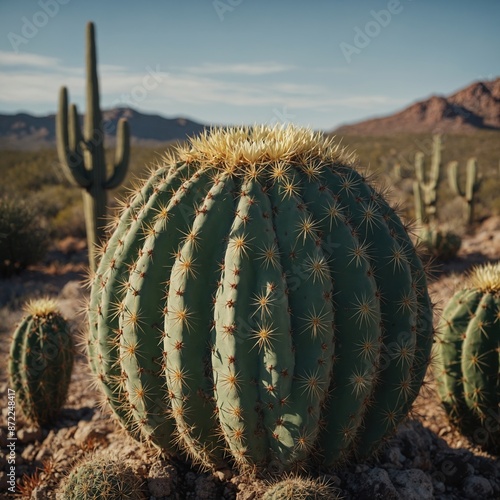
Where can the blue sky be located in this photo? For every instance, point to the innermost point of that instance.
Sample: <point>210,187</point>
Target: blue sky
<point>319,63</point>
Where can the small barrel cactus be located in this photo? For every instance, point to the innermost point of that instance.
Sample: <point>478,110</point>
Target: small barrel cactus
<point>467,357</point>
<point>440,244</point>
<point>101,477</point>
<point>296,488</point>
<point>41,361</point>
<point>260,299</point>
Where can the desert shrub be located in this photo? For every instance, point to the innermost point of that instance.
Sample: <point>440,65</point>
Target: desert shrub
<point>23,236</point>
<point>70,221</point>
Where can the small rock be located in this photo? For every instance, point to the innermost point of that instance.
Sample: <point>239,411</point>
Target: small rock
<point>223,475</point>
<point>162,479</point>
<point>86,433</point>
<point>450,468</point>
<point>415,442</point>
<point>29,452</point>
<point>438,486</point>
<point>41,492</point>
<point>42,453</point>
<point>413,484</point>
<point>372,485</point>
<point>49,438</point>
<point>205,488</point>
<point>477,487</point>
<point>392,456</point>
<point>361,468</point>
<point>29,435</point>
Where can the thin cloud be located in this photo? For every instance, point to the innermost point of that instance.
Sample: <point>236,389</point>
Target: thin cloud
<point>252,69</point>
<point>37,79</point>
<point>9,58</point>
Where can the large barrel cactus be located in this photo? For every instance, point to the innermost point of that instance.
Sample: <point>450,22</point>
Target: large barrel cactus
<point>41,361</point>
<point>259,299</point>
<point>467,357</point>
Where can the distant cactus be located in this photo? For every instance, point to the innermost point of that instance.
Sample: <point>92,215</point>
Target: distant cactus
<point>296,488</point>
<point>467,363</point>
<point>441,244</point>
<point>102,478</point>
<point>472,182</point>
<point>254,294</point>
<point>425,191</point>
<point>40,363</point>
<point>83,157</point>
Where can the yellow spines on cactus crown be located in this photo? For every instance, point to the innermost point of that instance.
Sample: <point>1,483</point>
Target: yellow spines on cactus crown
<point>42,307</point>
<point>486,277</point>
<point>241,149</point>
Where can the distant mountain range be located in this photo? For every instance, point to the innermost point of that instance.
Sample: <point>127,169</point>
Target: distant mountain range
<point>473,108</point>
<point>24,131</point>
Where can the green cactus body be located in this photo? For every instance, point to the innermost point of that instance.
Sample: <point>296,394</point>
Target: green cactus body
<point>440,244</point>
<point>40,363</point>
<point>472,183</point>
<point>263,303</point>
<point>104,310</point>
<point>104,478</point>
<point>83,157</point>
<point>467,362</point>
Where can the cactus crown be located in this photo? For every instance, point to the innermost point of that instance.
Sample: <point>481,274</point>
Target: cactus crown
<point>41,307</point>
<point>249,151</point>
<point>485,278</point>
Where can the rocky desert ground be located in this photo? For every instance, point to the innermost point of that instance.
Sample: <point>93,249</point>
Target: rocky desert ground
<point>425,459</point>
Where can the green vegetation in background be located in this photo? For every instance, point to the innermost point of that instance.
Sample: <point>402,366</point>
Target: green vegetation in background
<point>37,175</point>
<point>393,157</point>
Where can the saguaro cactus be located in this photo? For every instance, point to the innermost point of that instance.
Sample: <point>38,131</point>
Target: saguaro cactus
<point>41,360</point>
<point>467,364</point>
<point>425,191</point>
<point>259,299</point>
<point>472,183</point>
<point>83,157</point>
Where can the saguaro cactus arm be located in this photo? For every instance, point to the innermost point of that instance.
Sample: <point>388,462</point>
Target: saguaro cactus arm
<point>472,182</point>
<point>419,206</point>
<point>69,140</point>
<point>429,187</point>
<point>121,155</point>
